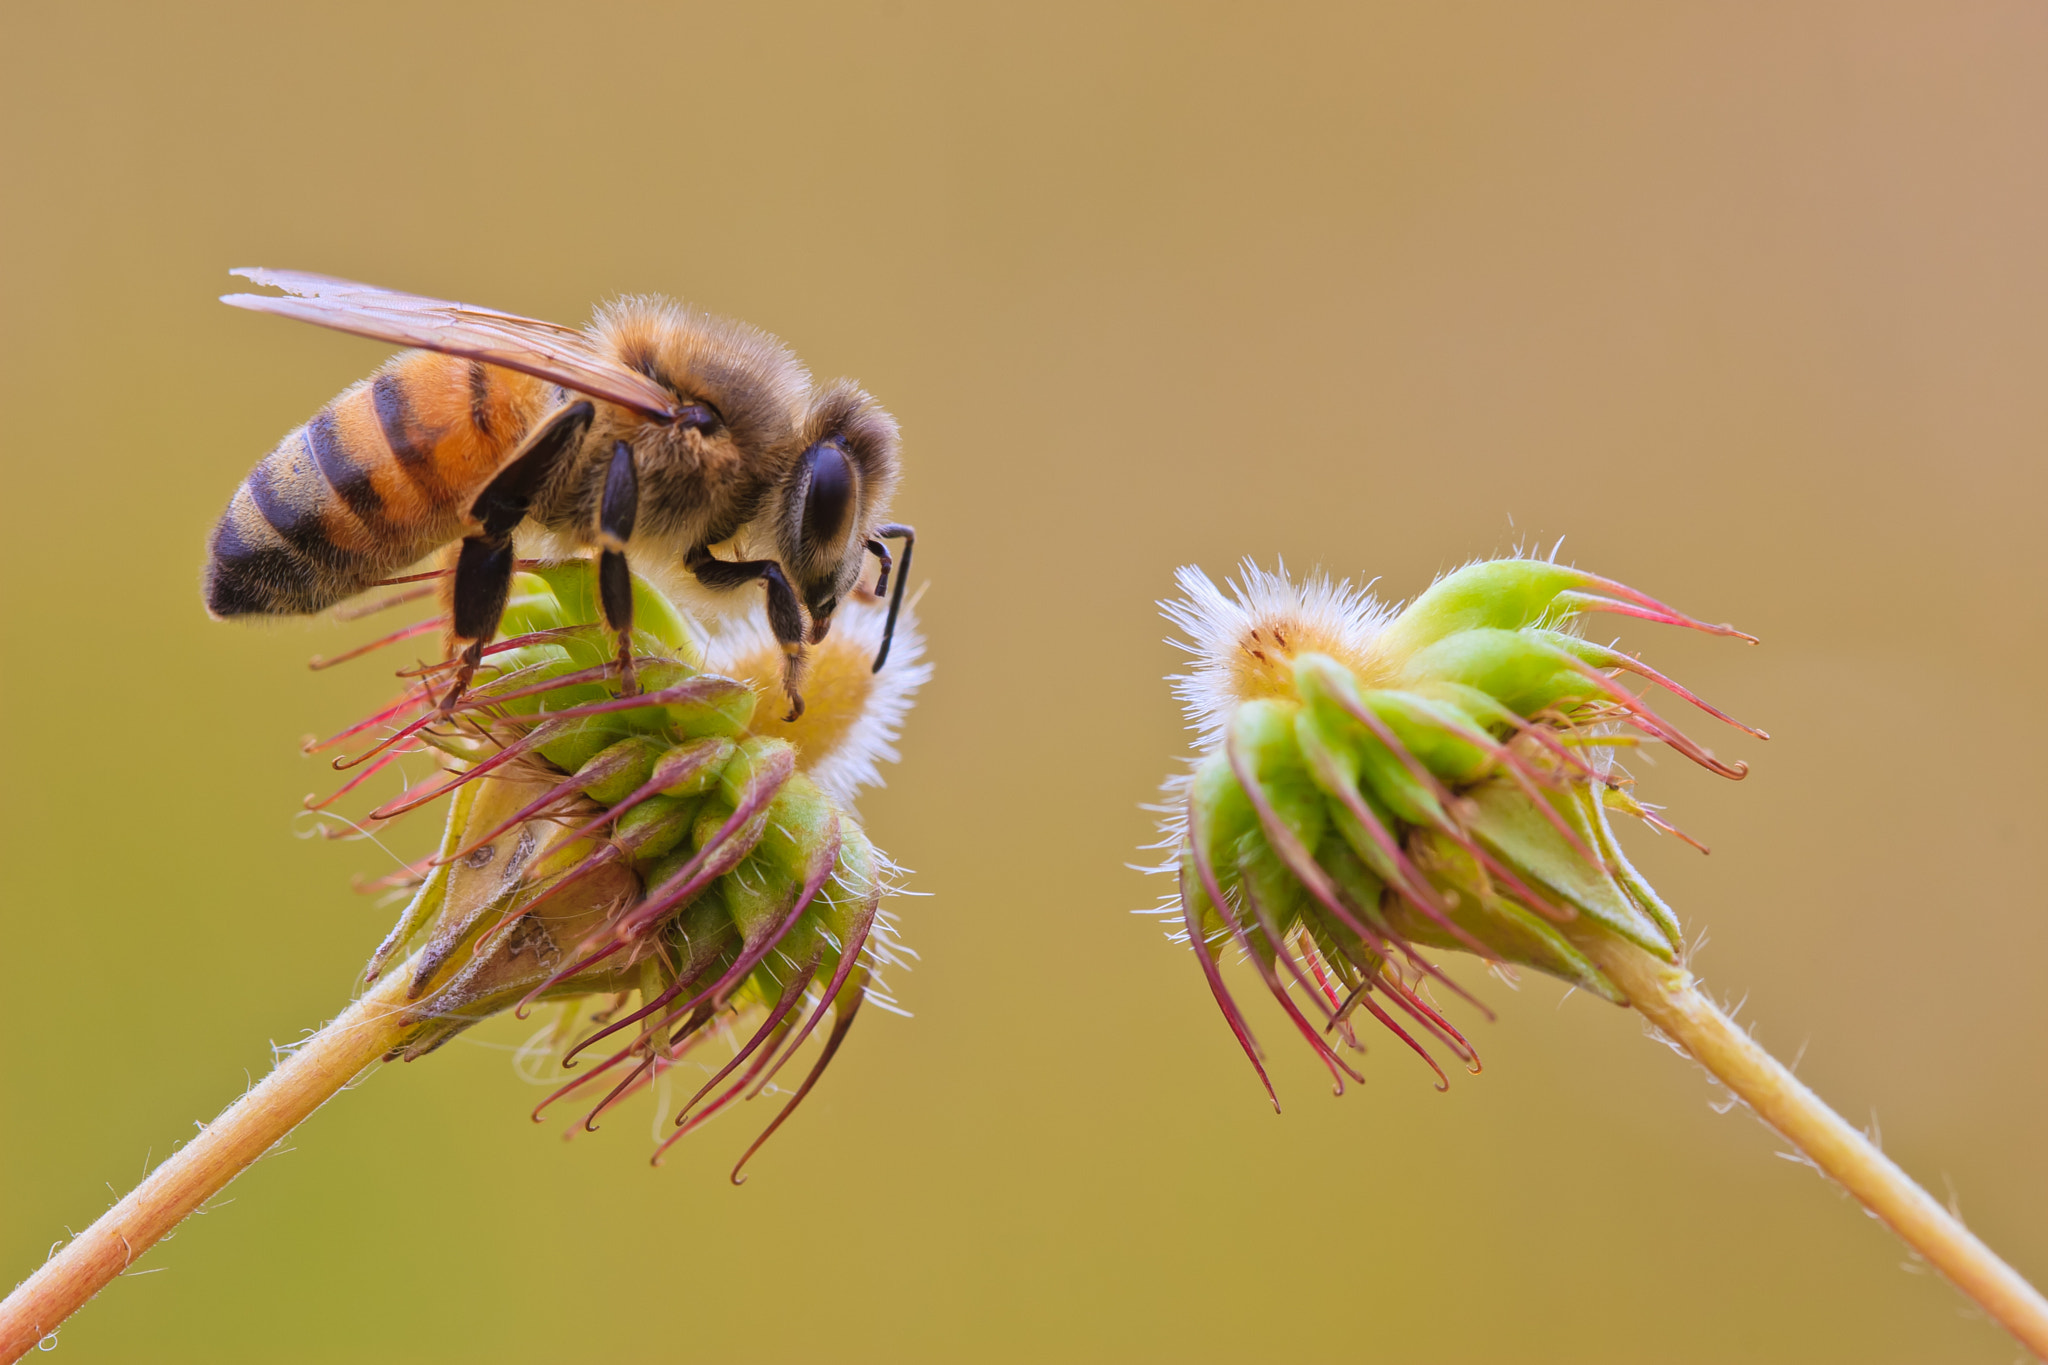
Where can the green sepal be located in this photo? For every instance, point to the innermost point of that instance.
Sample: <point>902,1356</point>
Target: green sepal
<point>1512,930</point>
<point>583,739</point>
<point>547,662</point>
<point>1429,730</point>
<point>1331,730</point>
<point>427,900</point>
<point>758,895</point>
<point>749,757</point>
<point>1525,674</point>
<point>609,786</point>
<point>655,826</point>
<point>701,933</point>
<point>1362,892</point>
<point>712,755</point>
<point>1498,594</point>
<point>1482,710</point>
<point>800,826</point>
<point>727,713</point>
<point>1264,735</point>
<point>1506,820</point>
<point>847,893</point>
<point>574,586</point>
<point>1334,763</point>
<point>1632,881</point>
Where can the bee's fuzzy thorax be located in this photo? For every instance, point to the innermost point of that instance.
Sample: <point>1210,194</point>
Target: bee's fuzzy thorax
<point>749,375</point>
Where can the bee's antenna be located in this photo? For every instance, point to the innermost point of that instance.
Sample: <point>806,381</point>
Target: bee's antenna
<point>909,538</point>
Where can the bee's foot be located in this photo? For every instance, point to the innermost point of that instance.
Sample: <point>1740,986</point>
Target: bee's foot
<point>465,672</point>
<point>629,677</point>
<point>793,661</point>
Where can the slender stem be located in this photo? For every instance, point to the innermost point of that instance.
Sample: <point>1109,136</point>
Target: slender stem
<point>1670,998</point>
<point>203,1167</point>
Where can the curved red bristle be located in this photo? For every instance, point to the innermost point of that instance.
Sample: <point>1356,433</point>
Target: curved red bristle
<point>1654,725</point>
<point>750,958</point>
<point>792,993</point>
<point>582,964</point>
<point>1363,996</point>
<point>478,699</point>
<point>1287,846</point>
<point>595,771</point>
<point>1421,1011</point>
<point>849,958</point>
<point>676,767</point>
<point>390,756</point>
<point>1614,658</point>
<point>356,611</point>
<point>708,864</point>
<point>390,712</point>
<point>702,688</point>
<point>716,1106</point>
<point>1279,992</point>
<point>840,1026</point>
<point>320,662</point>
<point>1670,615</point>
<point>403,733</point>
<point>1199,944</point>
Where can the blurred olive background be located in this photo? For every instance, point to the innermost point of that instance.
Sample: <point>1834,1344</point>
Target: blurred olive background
<point>1749,303</point>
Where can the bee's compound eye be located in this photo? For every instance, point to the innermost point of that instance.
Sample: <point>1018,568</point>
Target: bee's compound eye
<point>828,495</point>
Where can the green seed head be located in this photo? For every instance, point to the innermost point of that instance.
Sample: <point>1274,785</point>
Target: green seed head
<point>677,853</point>
<point>1373,784</point>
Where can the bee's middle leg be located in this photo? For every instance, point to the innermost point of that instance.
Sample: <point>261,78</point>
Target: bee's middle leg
<point>615,519</point>
<point>785,613</point>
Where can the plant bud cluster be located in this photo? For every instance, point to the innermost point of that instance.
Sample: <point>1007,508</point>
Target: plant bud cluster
<point>664,850</point>
<point>1375,784</point>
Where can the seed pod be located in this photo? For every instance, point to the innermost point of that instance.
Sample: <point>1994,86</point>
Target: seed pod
<point>661,848</point>
<point>1371,785</point>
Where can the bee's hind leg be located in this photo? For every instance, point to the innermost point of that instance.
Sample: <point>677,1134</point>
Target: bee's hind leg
<point>785,613</point>
<point>615,519</point>
<point>483,567</point>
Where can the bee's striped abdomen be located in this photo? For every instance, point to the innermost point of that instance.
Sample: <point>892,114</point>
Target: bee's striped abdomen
<point>379,477</point>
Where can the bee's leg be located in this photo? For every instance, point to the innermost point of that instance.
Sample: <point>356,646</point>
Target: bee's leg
<point>614,581</point>
<point>483,583</point>
<point>483,567</point>
<point>879,551</point>
<point>785,613</point>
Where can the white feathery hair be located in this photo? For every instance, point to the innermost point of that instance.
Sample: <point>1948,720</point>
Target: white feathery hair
<point>1319,612</point>
<point>1220,623</point>
<point>745,646</point>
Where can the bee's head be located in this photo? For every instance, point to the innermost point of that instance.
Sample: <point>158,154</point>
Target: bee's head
<point>838,491</point>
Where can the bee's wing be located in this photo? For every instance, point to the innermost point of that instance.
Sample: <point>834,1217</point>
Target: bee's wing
<point>545,350</point>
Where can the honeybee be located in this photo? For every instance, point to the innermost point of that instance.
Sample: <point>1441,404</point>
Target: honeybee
<point>658,428</point>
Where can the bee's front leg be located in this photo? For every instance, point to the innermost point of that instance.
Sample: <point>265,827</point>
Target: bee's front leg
<point>785,613</point>
<point>615,519</point>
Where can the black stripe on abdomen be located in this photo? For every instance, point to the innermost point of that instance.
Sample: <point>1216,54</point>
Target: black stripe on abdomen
<point>249,572</point>
<point>346,475</point>
<point>288,489</point>
<point>480,398</point>
<point>411,447</point>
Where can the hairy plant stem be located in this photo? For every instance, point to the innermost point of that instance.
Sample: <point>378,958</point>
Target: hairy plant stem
<point>1670,998</point>
<point>301,1083</point>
